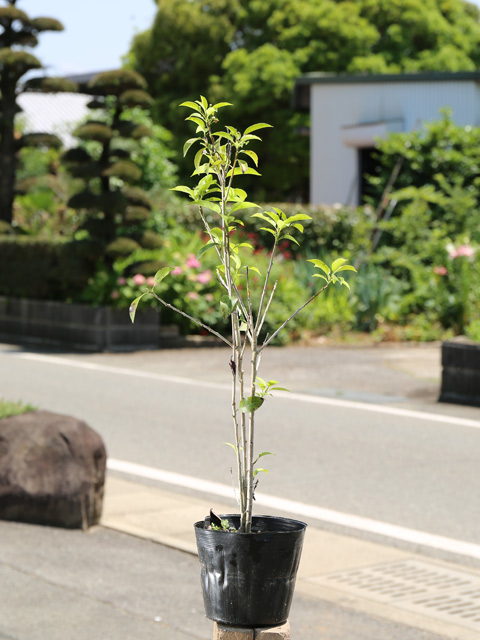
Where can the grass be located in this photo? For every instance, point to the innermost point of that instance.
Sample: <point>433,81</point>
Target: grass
<point>8,408</point>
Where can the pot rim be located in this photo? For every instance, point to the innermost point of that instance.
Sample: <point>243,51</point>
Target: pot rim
<point>301,525</point>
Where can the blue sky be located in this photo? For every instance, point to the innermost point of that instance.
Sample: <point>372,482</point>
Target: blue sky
<point>97,32</point>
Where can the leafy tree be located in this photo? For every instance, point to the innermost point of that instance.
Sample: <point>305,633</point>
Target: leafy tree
<point>18,30</point>
<point>250,53</point>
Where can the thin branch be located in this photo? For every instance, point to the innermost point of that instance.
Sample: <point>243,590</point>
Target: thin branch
<point>265,285</point>
<point>292,316</point>
<point>197,322</point>
<point>267,307</point>
<point>212,238</point>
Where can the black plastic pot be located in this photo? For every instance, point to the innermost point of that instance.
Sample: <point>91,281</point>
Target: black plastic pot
<point>248,579</point>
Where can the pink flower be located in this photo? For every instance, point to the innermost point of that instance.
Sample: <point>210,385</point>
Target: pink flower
<point>151,281</point>
<point>209,297</point>
<point>440,270</point>
<point>462,250</point>
<point>177,271</point>
<point>205,277</point>
<point>114,295</point>
<point>192,262</point>
<point>192,295</point>
<point>139,279</point>
<point>465,250</point>
<point>121,281</point>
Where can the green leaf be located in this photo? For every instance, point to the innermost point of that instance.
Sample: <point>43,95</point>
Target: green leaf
<point>319,275</point>
<point>269,230</point>
<point>206,248</point>
<point>188,144</point>
<point>256,471</point>
<point>191,105</point>
<point>320,265</point>
<point>254,269</point>
<point>133,307</point>
<point>252,155</point>
<point>233,446</point>
<point>243,171</point>
<point>338,263</point>
<point>287,236</point>
<point>227,306</point>
<point>219,105</point>
<point>255,127</point>
<point>251,404</point>
<point>204,102</point>
<point>243,205</point>
<point>265,453</point>
<point>298,216</point>
<point>198,121</point>
<point>347,267</point>
<point>161,274</point>
<point>183,189</point>
<point>208,204</point>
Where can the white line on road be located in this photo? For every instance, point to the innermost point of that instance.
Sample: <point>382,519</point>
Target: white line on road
<point>299,397</point>
<point>303,510</point>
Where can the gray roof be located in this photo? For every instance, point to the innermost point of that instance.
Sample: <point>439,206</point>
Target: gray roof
<point>301,95</point>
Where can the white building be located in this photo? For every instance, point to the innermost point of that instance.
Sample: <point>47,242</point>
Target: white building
<point>57,113</point>
<point>348,113</point>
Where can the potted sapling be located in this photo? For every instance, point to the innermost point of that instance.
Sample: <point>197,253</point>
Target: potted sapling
<point>248,562</point>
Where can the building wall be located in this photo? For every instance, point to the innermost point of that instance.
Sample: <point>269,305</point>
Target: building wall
<point>335,106</point>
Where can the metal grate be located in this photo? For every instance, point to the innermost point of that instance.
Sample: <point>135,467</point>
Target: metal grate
<point>416,586</point>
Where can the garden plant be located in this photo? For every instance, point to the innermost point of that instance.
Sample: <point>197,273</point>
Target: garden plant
<point>223,157</point>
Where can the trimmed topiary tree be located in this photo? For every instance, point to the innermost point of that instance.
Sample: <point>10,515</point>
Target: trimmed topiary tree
<point>17,29</point>
<point>116,208</point>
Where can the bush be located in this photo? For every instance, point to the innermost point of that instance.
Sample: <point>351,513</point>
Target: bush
<point>436,210</point>
<point>50,269</point>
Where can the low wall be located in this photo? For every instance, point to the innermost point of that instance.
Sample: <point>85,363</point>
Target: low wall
<point>461,372</point>
<point>76,325</point>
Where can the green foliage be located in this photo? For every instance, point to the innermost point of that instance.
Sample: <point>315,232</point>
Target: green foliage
<point>9,408</point>
<point>42,190</point>
<point>250,53</point>
<point>60,270</point>
<point>17,63</point>
<point>436,217</point>
<point>41,140</point>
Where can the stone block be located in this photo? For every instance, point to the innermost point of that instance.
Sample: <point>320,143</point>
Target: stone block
<point>274,633</point>
<point>224,632</point>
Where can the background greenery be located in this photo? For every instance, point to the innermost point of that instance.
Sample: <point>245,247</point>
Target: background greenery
<point>417,255</point>
<point>249,52</point>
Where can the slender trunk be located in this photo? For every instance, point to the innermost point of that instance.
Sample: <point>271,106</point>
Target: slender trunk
<point>250,440</point>
<point>7,148</point>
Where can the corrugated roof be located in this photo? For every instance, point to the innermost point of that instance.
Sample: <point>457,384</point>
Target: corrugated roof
<point>56,113</point>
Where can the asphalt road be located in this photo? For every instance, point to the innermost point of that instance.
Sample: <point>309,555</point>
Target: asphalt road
<point>169,410</point>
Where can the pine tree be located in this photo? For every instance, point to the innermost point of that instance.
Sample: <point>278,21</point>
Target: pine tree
<point>18,30</point>
<point>116,208</point>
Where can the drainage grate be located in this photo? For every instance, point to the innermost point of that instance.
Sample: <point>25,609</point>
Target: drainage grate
<point>416,586</point>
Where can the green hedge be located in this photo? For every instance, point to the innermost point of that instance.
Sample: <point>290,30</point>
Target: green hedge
<point>332,228</point>
<point>43,269</point>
